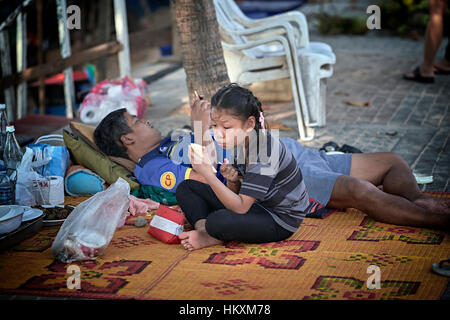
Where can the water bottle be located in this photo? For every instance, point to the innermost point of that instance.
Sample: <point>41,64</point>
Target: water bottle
<point>12,157</point>
<point>5,187</point>
<point>3,125</point>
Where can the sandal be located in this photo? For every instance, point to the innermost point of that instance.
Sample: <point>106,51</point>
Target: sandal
<point>418,77</point>
<point>333,147</point>
<point>349,149</point>
<point>442,268</point>
<point>441,71</point>
<point>330,146</point>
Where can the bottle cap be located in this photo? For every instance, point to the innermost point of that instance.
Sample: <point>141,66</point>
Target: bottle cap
<point>10,129</point>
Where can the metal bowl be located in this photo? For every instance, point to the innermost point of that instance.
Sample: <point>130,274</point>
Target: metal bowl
<point>10,218</point>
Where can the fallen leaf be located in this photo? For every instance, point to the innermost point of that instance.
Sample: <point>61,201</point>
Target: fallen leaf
<point>358,103</point>
<point>391,133</point>
<point>278,125</point>
<point>341,93</point>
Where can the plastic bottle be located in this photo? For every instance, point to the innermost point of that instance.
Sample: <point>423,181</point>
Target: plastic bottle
<point>5,188</point>
<point>12,154</point>
<point>3,125</point>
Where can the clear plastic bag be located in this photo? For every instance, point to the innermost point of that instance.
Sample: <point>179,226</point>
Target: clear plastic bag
<point>25,176</point>
<point>110,95</point>
<point>90,227</point>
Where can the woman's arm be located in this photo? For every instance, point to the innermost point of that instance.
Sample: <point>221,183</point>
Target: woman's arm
<point>200,118</point>
<point>238,203</point>
<point>232,201</point>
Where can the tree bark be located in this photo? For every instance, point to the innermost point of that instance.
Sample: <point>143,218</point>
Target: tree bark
<point>201,47</point>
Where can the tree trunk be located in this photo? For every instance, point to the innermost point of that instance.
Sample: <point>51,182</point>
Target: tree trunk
<point>202,51</point>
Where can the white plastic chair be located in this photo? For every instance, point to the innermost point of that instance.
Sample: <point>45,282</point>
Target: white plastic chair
<point>313,58</point>
<point>296,18</point>
<point>244,68</point>
<point>314,63</point>
<point>245,65</point>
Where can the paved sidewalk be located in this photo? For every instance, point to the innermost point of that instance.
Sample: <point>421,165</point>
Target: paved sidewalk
<point>369,68</point>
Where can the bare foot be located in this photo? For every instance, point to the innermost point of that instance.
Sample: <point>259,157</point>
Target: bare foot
<point>443,65</point>
<point>196,239</point>
<point>187,225</point>
<point>435,205</point>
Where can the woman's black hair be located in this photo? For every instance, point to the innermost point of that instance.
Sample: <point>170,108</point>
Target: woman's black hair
<point>239,101</point>
<point>109,131</point>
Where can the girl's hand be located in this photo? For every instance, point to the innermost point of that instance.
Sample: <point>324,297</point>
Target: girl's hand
<point>228,172</point>
<point>201,165</point>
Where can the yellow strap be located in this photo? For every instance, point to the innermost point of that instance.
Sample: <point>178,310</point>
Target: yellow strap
<point>187,174</point>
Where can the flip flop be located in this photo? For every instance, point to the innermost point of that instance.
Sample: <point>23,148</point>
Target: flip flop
<point>329,146</point>
<point>332,147</point>
<point>418,77</point>
<point>442,268</point>
<point>349,149</point>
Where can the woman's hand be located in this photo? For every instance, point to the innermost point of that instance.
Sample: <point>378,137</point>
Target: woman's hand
<point>228,172</point>
<point>200,111</point>
<point>201,165</point>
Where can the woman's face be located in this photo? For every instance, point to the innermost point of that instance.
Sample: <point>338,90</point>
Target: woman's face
<point>229,131</point>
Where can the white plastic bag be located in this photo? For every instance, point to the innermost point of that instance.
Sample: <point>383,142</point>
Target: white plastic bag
<point>109,95</point>
<point>25,177</point>
<point>90,227</point>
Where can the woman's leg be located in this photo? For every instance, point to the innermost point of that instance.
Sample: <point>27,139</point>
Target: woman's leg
<point>401,202</point>
<point>256,226</point>
<point>197,200</point>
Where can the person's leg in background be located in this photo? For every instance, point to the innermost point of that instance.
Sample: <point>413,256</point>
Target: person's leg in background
<point>443,65</point>
<point>433,39</point>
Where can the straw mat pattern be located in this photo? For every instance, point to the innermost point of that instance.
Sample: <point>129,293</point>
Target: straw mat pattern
<point>332,258</point>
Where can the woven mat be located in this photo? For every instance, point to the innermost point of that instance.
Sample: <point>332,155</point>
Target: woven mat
<point>324,259</point>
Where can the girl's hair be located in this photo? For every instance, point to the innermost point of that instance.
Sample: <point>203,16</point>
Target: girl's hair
<point>240,102</point>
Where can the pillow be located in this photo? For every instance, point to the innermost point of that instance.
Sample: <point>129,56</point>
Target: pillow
<point>86,133</point>
<point>85,155</point>
<point>80,181</point>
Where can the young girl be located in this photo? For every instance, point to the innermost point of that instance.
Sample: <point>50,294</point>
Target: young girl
<point>265,197</point>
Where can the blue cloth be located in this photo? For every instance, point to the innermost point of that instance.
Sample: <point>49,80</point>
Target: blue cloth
<point>319,169</point>
<point>59,159</point>
<point>168,165</point>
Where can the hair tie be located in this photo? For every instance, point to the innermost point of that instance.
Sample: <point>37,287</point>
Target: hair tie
<point>261,119</point>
